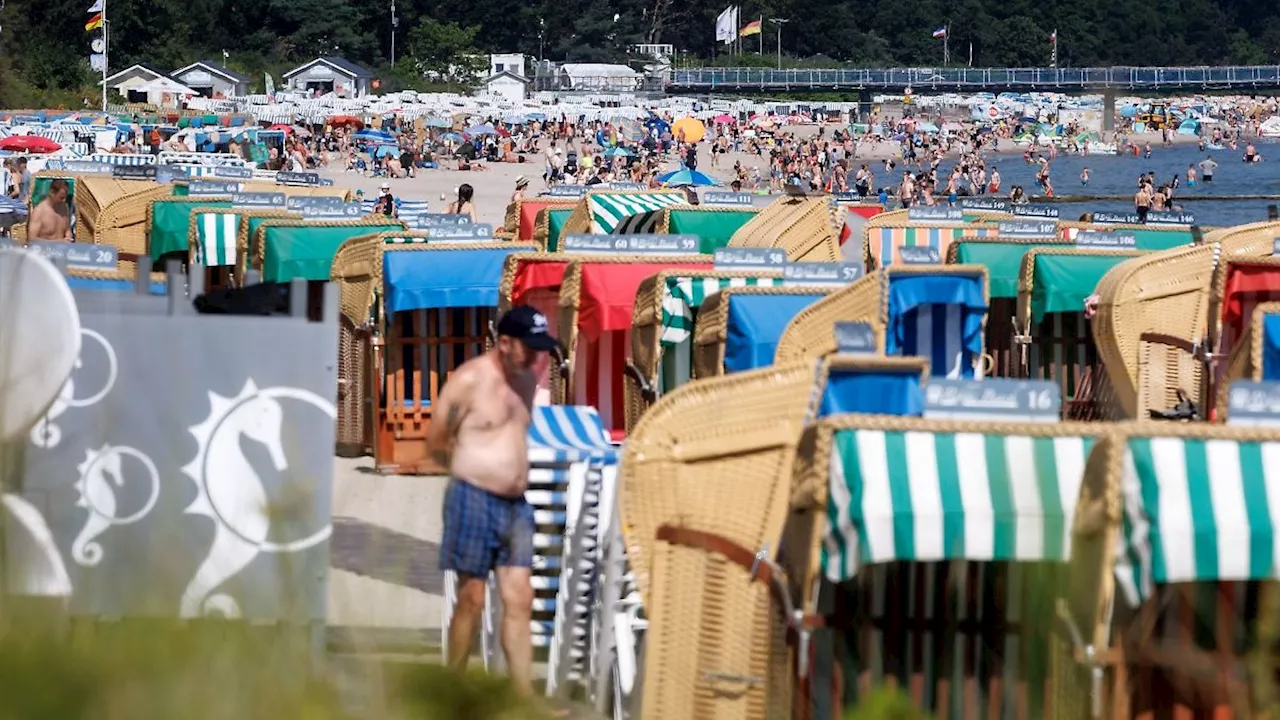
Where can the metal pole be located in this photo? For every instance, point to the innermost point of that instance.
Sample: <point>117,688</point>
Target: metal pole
<point>394,22</point>
<point>779,22</point>
<point>106,53</point>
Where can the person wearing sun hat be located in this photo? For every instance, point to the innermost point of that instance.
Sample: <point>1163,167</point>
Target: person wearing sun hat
<point>478,429</point>
<point>522,183</point>
<point>386,202</point>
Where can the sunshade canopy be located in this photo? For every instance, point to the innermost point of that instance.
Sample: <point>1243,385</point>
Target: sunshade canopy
<point>426,279</point>
<point>755,324</point>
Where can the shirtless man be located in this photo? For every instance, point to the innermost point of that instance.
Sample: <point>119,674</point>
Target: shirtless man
<point>478,431</point>
<point>51,218</point>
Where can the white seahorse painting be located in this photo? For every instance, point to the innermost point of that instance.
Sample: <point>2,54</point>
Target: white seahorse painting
<point>97,473</point>
<point>231,493</point>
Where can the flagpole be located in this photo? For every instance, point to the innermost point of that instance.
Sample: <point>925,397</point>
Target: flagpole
<point>946,48</point>
<point>106,53</point>
<point>761,35</point>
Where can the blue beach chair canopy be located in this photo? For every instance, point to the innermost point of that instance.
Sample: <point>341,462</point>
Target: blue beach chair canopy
<point>878,391</point>
<point>427,279</point>
<point>1271,347</point>
<point>755,324</point>
<point>938,317</point>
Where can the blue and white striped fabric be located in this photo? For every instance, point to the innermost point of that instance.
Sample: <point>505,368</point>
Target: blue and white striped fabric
<point>938,317</point>
<point>568,433</point>
<point>407,210</point>
<point>123,159</point>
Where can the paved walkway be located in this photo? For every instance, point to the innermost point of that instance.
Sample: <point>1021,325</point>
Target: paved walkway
<point>385,553</point>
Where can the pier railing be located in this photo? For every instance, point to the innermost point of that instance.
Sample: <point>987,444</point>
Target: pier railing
<point>1120,78</point>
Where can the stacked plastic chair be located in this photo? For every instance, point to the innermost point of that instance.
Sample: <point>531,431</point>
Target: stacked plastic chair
<point>572,475</point>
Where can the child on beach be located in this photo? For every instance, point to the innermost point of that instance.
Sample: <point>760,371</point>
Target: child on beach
<point>1191,175</point>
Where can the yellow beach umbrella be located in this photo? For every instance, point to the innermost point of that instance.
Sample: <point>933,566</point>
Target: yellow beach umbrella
<point>692,128</point>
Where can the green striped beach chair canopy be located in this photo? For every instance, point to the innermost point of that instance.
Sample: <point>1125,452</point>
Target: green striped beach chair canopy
<point>605,213</point>
<point>1199,504</point>
<point>904,489</point>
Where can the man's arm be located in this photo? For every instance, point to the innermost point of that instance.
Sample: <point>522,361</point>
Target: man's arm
<point>447,413</point>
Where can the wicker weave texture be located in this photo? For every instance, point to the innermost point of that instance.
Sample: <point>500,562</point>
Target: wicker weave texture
<point>808,229</point>
<point>714,456</point>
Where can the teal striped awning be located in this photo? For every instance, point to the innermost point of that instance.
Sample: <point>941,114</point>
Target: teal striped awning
<point>920,495</point>
<point>1197,509</point>
<point>610,210</point>
<point>216,238</point>
<point>683,295</point>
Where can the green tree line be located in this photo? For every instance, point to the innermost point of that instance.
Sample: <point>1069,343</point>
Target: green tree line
<point>44,47</point>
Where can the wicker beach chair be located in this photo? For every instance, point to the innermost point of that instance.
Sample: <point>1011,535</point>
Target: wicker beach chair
<point>522,216</point>
<point>1002,257</point>
<point>1054,339</point>
<point>169,223</point>
<point>1152,316</point>
<point>939,585</point>
<point>437,305</point>
<point>596,332</point>
<point>711,334</point>
<point>357,271</point>
<point>1169,555</point>
<point>712,458</point>
<point>665,315</point>
<point>885,242</point>
<point>903,319</point>
<point>328,236</point>
<point>808,229</point>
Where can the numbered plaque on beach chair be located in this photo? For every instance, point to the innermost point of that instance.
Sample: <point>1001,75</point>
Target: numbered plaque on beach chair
<point>936,312</point>
<point>666,310</point>
<point>1054,339</point>
<point>438,303</point>
<point>947,542</point>
<point>596,306</point>
<point>1173,570</point>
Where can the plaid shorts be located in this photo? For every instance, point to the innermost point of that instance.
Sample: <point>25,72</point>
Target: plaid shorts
<point>483,531</point>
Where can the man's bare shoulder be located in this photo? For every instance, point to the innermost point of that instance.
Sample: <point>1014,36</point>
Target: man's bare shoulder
<point>470,374</point>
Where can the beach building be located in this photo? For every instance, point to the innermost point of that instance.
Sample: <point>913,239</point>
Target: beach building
<point>508,85</point>
<point>598,77</point>
<point>330,75</point>
<point>512,63</point>
<point>128,81</point>
<point>212,80</point>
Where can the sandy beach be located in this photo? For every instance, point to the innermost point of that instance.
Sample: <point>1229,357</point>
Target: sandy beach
<point>494,185</point>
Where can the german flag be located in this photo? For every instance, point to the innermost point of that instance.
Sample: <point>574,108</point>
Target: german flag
<point>751,28</point>
<point>95,22</point>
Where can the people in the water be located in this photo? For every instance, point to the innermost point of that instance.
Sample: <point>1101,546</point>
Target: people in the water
<point>1084,176</point>
<point>1191,175</point>
<point>1142,202</point>
<point>1251,154</point>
